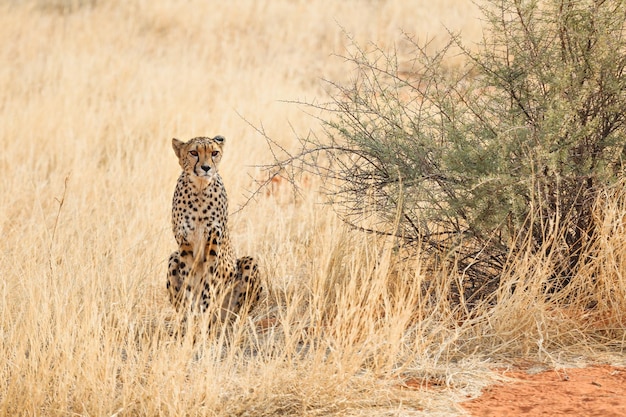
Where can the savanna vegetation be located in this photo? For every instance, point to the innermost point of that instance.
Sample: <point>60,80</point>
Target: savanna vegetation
<point>428,164</point>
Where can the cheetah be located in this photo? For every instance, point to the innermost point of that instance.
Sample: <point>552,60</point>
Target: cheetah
<point>204,272</point>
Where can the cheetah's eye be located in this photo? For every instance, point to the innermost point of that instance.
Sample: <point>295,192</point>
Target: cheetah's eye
<point>215,153</point>
<point>194,153</point>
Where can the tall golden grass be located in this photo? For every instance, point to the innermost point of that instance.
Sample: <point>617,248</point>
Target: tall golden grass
<point>91,93</point>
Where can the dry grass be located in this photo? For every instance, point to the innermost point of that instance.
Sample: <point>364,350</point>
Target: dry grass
<point>91,96</point>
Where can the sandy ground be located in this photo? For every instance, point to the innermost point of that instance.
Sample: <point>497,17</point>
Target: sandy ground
<point>593,391</point>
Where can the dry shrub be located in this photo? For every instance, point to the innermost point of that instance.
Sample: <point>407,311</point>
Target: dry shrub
<point>505,153</point>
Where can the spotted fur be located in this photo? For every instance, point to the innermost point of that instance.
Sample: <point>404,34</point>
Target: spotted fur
<point>204,272</point>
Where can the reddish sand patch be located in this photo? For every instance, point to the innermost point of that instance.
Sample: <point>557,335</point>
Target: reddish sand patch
<point>593,391</point>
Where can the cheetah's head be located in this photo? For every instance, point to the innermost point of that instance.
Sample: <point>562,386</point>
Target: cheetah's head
<point>199,157</point>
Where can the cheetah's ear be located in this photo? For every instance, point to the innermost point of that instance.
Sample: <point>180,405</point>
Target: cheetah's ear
<point>219,140</point>
<point>177,145</point>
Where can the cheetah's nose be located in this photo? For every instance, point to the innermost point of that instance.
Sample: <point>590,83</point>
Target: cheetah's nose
<point>205,168</point>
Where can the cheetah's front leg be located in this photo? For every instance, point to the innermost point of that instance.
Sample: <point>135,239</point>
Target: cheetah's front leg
<point>205,252</point>
<point>179,266</point>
